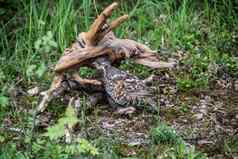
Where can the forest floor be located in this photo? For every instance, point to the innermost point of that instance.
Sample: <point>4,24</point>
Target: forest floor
<point>198,113</point>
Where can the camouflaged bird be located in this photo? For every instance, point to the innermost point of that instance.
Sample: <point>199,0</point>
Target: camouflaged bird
<point>123,89</point>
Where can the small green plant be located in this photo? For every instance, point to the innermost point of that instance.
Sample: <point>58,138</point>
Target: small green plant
<point>46,43</point>
<point>44,149</point>
<point>181,151</point>
<point>4,101</point>
<point>9,151</point>
<point>2,138</point>
<point>43,46</point>
<point>202,65</point>
<point>185,84</point>
<point>86,72</point>
<point>81,146</point>
<point>164,134</point>
<point>36,71</point>
<point>229,63</point>
<point>184,108</point>
<point>188,84</point>
<point>2,76</point>
<point>56,131</point>
<point>231,145</point>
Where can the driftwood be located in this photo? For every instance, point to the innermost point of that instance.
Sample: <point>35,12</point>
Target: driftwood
<point>98,41</point>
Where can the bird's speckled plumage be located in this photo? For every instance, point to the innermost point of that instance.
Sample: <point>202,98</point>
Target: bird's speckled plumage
<point>125,89</point>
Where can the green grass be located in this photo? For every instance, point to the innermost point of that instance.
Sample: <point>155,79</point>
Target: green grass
<point>175,146</point>
<point>35,33</point>
<point>164,134</point>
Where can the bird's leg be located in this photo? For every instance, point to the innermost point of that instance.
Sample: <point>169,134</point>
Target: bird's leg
<point>49,94</point>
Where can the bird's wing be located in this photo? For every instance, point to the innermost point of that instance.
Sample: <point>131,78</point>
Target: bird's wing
<point>136,88</point>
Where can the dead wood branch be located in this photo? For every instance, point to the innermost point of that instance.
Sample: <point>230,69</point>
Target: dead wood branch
<point>100,27</point>
<point>76,57</point>
<point>98,41</point>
